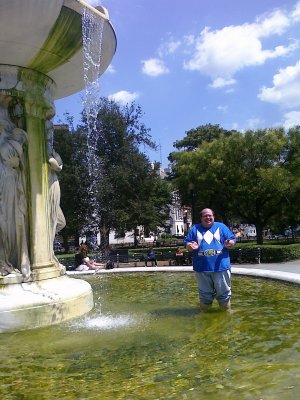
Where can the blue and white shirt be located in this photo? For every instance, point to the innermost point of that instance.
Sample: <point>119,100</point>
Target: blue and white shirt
<point>210,240</point>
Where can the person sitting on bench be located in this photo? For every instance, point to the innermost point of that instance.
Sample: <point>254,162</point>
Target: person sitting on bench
<point>179,257</point>
<point>151,256</point>
<point>83,262</point>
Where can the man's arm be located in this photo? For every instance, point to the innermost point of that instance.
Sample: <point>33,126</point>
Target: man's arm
<point>190,242</point>
<point>231,239</point>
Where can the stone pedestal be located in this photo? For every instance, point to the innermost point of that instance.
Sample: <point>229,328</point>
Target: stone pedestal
<point>48,302</point>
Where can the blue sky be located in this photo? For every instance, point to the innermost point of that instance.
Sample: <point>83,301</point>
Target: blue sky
<point>228,62</point>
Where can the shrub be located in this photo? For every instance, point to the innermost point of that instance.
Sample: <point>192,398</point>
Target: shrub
<point>268,253</point>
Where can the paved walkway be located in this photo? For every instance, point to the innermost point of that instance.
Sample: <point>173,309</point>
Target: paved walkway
<point>290,266</point>
<point>287,271</point>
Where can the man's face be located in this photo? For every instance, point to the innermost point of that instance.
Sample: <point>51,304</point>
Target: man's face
<point>207,218</point>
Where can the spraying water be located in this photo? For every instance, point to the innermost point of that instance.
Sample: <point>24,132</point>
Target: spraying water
<point>92,32</point>
<point>105,322</point>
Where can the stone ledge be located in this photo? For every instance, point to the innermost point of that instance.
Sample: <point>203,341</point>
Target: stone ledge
<point>132,264</point>
<point>38,304</point>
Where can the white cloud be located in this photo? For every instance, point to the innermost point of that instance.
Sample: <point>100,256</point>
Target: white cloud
<point>292,118</point>
<point>274,23</point>
<point>222,108</point>
<point>124,97</point>
<point>154,67</point>
<point>235,126</point>
<point>286,88</point>
<point>189,40</point>
<point>254,123</point>
<point>296,12</point>
<point>229,90</point>
<point>250,124</point>
<point>168,47</point>
<point>221,82</point>
<point>221,53</point>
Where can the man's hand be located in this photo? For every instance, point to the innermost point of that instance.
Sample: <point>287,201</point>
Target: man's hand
<point>192,246</point>
<point>229,243</point>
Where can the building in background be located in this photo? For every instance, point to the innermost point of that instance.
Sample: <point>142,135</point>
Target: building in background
<point>180,217</point>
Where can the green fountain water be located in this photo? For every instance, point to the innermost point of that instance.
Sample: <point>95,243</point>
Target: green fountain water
<point>146,339</point>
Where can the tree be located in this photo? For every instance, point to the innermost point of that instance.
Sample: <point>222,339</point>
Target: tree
<point>149,204</point>
<point>263,182</point>
<point>290,210</point>
<point>123,178</point>
<point>73,181</point>
<point>204,133</point>
<point>241,175</point>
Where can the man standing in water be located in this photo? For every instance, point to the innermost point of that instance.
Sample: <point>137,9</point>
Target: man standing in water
<point>210,242</point>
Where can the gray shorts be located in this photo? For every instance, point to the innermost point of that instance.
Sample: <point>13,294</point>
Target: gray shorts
<point>214,285</point>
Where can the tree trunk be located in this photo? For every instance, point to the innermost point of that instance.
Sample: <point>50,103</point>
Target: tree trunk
<point>65,241</point>
<point>259,234</point>
<point>293,235</point>
<point>104,238</point>
<point>135,238</point>
<point>76,237</point>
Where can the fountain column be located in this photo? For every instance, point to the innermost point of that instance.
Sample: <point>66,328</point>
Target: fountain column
<point>41,60</point>
<point>38,108</point>
<point>28,103</point>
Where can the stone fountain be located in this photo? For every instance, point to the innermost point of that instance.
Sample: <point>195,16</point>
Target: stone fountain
<point>41,60</point>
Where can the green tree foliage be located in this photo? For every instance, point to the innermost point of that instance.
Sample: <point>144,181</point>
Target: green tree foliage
<point>249,176</point>
<point>149,205</point>
<point>73,177</point>
<point>124,180</point>
<point>204,133</point>
<point>290,209</point>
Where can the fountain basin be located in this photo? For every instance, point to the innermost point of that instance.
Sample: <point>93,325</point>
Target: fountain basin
<point>48,302</point>
<point>49,40</point>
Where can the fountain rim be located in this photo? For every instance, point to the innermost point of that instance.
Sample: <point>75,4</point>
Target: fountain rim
<point>78,7</point>
<point>63,65</point>
<point>94,9</point>
<point>290,277</point>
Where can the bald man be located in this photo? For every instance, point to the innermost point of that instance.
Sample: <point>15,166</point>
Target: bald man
<point>209,241</point>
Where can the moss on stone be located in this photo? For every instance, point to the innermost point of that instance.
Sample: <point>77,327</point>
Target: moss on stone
<point>64,40</point>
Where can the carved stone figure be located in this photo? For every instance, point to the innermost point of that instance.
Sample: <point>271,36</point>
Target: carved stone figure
<point>57,219</point>
<point>13,207</point>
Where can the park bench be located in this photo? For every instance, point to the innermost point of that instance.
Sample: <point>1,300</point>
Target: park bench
<point>140,257</point>
<point>116,256</point>
<point>185,259</point>
<point>237,256</point>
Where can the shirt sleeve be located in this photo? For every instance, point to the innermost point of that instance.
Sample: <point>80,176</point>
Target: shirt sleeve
<point>228,234</point>
<point>191,236</point>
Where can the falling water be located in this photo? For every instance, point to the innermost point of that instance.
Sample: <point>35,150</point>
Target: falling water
<point>92,31</point>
